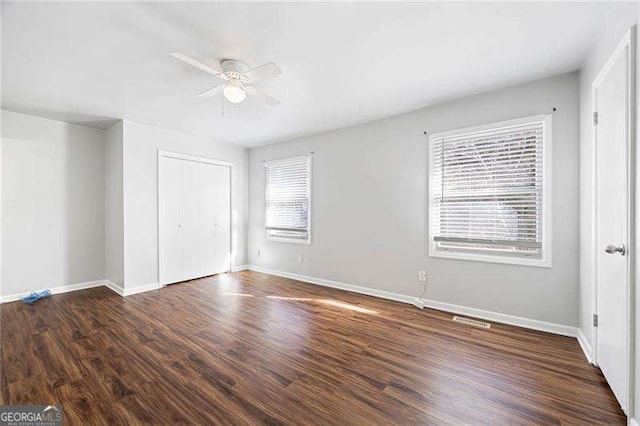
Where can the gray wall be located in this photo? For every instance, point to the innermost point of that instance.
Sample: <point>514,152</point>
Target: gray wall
<point>53,203</point>
<point>369,195</point>
<point>141,145</point>
<point>114,212</point>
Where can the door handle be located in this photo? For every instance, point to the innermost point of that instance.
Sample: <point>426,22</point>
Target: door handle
<point>611,249</point>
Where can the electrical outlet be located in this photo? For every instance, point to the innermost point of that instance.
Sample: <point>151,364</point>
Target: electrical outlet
<point>422,276</point>
<point>299,258</point>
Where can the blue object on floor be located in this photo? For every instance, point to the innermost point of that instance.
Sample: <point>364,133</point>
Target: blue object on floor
<point>36,295</point>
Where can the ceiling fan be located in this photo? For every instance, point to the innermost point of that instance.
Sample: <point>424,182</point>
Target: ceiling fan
<point>238,79</point>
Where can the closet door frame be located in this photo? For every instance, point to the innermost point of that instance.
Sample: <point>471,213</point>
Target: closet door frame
<point>179,156</point>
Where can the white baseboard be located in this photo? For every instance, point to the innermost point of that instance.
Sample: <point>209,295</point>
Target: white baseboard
<point>335,284</point>
<point>563,330</point>
<point>115,287</point>
<point>533,324</point>
<point>239,268</point>
<point>584,344</point>
<point>82,286</point>
<point>128,291</point>
<point>54,290</point>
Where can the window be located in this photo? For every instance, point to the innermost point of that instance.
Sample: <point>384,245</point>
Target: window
<point>288,200</point>
<point>488,194</point>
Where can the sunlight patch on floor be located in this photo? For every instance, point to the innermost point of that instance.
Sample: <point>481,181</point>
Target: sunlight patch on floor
<point>239,294</point>
<point>330,302</point>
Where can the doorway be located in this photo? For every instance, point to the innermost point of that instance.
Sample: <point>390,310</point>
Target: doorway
<point>194,215</point>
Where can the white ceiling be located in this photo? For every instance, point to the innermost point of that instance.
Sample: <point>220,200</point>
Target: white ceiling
<point>343,63</point>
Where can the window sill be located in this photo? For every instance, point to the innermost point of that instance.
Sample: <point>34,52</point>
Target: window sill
<point>491,258</point>
<point>289,240</point>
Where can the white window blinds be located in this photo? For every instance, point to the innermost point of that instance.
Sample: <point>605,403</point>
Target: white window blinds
<point>487,189</point>
<point>288,194</point>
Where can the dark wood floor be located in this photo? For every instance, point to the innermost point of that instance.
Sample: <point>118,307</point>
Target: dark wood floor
<point>252,348</point>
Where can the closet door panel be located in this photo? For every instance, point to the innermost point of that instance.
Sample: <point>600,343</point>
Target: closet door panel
<point>191,213</point>
<point>223,219</point>
<point>208,220</point>
<point>171,200</point>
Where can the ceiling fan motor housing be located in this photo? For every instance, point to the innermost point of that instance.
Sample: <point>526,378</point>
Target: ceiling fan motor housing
<point>234,68</point>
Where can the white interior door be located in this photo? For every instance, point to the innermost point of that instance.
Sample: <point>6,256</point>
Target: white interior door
<point>195,219</point>
<point>612,91</point>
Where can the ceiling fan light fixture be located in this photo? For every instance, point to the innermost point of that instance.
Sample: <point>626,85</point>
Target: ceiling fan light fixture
<point>234,92</point>
<point>238,79</point>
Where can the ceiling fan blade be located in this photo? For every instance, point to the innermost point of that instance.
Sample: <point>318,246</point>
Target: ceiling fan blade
<point>211,92</point>
<point>261,95</point>
<point>266,70</point>
<point>197,64</point>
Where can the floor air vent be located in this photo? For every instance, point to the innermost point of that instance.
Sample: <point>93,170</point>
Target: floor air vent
<point>469,321</point>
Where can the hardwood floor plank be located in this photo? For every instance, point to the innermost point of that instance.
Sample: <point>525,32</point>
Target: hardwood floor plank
<point>249,348</point>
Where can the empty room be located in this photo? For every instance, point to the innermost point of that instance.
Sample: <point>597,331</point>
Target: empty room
<point>339,213</point>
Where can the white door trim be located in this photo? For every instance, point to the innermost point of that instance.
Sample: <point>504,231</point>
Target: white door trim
<point>198,159</point>
<point>627,44</point>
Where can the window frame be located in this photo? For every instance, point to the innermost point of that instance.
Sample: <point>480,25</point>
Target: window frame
<point>491,255</point>
<point>306,241</point>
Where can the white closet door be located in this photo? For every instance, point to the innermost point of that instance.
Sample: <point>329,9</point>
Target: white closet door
<point>171,195</point>
<point>195,222</point>
<point>208,219</point>
<point>191,224</point>
<point>223,218</point>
